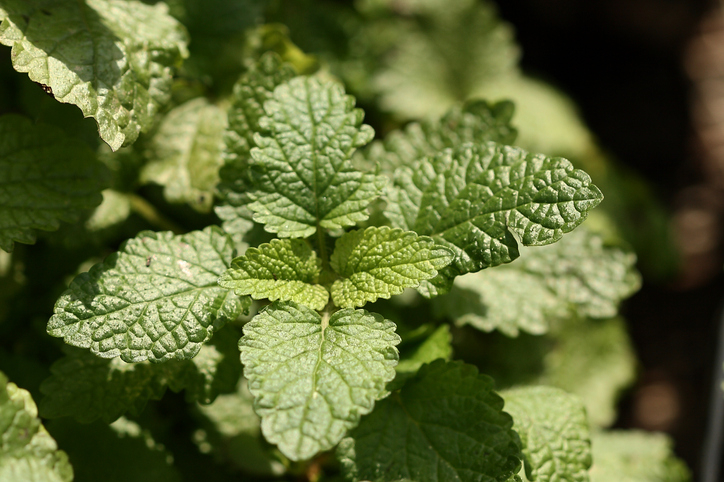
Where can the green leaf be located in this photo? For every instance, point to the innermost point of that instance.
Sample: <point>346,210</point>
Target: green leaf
<point>120,452</point>
<point>314,376</point>
<point>285,269</point>
<point>595,360</point>
<point>553,428</point>
<point>584,271</point>
<point>185,153</point>
<point>114,209</point>
<point>635,456</point>
<point>247,106</point>
<point>447,55</point>
<point>446,423</point>
<point>437,345</point>
<point>45,178</point>
<point>476,121</point>
<point>578,275</point>
<point>114,59</point>
<point>302,176</point>
<point>156,299</point>
<point>27,451</point>
<point>88,388</point>
<point>232,431</point>
<point>504,299</point>
<point>478,199</point>
<point>381,262</point>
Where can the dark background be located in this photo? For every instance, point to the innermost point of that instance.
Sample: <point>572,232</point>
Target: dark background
<point>639,71</point>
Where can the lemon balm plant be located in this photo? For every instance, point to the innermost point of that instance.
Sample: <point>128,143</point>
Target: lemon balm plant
<point>317,227</point>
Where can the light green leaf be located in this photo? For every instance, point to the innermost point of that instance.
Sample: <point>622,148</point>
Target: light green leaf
<point>444,57</point>
<point>185,153</point>
<point>635,456</point>
<point>247,106</point>
<point>114,209</point>
<point>381,262</point>
<point>582,270</point>
<point>302,176</point>
<point>114,59</point>
<point>27,451</point>
<point>593,359</point>
<point>88,388</point>
<point>314,376</point>
<point>446,423</point>
<point>478,199</point>
<point>475,121</point>
<point>156,299</point>
<point>504,299</point>
<point>553,428</point>
<point>45,178</point>
<point>578,275</point>
<point>285,269</point>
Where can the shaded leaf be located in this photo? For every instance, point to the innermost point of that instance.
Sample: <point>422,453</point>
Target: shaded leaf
<point>114,59</point>
<point>88,388</point>
<point>156,299</point>
<point>45,178</point>
<point>314,376</point>
<point>446,423</point>
<point>185,153</point>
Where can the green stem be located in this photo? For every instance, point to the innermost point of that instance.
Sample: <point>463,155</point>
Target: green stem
<point>148,212</point>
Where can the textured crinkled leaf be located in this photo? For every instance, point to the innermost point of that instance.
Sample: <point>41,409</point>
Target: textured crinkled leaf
<point>479,198</point>
<point>475,121</point>
<point>508,300</point>
<point>578,273</point>
<point>119,452</point>
<point>285,269</point>
<point>314,377</point>
<point>114,59</point>
<point>379,262</point>
<point>231,431</point>
<point>635,456</point>
<point>45,178</point>
<point>553,429</point>
<point>444,58</point>
<point>156,299</point>
<point>185,153</point>
<point>247,106</point>
<point>27,451</point>
<point>302,176</point>
<point>583,271</point>
<point>88,388</point>
<point>446,423</point>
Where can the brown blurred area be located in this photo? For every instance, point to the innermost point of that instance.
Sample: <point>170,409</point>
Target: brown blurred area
<point>648,76</point>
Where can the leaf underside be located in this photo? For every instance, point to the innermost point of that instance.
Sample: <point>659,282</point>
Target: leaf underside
<point>381,262</point>
<point>112,58</point>
<point>478,199</point>
<point>45,178</point>
<point>285,269</point>
<point>302,176</point>
<point>156,299</point>
<point>446,423</point>
<point>313,379</point>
